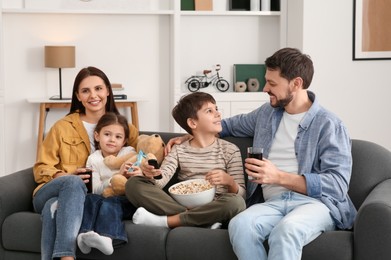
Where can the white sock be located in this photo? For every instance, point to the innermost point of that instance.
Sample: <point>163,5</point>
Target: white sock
<point>83,247</point>
<point>216,225</point>
<point>102,243</point>
<point>142,216</point>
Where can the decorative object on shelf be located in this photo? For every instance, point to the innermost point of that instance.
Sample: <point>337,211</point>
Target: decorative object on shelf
<point>220,5</point>
<point>59,57</point>
<point>244,72</point>
<point>240,86</point>
<point>187,5</point>
<point>275,5</point>
<point>203,5</point>
<point>255,5</point>
<point>239,5</point>
<point>194,83</point>
<point>253,85</point>
<point>265,5</point>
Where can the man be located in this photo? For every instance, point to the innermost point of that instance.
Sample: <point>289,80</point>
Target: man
<point>305,178</point>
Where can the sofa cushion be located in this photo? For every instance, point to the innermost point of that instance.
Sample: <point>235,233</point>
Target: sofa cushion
<point>144,242</point>
<point>22,232</point>
<point>199,243</point>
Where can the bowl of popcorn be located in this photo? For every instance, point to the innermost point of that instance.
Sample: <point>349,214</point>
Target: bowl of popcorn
<point>193,193</point>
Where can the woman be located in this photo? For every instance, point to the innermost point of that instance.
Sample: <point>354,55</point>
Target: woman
<point>60,194</point>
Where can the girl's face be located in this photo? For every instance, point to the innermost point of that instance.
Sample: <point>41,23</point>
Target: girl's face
<point>111,139</point>
<point>93,93</point>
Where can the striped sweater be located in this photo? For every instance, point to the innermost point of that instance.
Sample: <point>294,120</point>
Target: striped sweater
<point>195,163</point>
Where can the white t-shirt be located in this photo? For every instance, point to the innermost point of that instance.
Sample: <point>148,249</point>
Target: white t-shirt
<point>90,128</point>
<point>282,152</point>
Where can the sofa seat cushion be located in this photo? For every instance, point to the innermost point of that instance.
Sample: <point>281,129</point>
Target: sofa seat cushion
<point>193,243</point>
<point>22,232</point>
<point>144,242</point>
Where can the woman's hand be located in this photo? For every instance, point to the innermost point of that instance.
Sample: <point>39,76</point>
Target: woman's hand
<point>80,172</point>
<point>175,140</point>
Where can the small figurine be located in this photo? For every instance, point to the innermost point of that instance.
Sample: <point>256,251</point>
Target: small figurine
<point>194,83</point>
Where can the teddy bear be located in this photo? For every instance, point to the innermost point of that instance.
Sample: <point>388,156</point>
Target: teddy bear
<point>148,147</point>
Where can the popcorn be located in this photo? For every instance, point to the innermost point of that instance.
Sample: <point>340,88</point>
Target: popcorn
<point>191,187</point>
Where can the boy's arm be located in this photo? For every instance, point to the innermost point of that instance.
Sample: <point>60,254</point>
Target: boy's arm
<point>168,167</point>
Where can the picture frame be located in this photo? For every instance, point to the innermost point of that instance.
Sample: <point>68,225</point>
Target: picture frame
<point>371,30</point>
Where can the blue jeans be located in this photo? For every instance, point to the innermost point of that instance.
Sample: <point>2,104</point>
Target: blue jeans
<point>60,203</point>
<point>105,215</point>
<point>289,222</point>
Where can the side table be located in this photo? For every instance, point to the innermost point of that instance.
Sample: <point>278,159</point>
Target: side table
<point>47,104</point>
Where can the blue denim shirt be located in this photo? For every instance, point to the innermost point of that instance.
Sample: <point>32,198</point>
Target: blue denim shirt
<point>322,147</point>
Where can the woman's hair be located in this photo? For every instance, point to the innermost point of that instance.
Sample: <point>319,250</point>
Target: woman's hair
<point>188,106</point>
<point>111,118</point>
<point>76,105</point>
<point>292,63</point>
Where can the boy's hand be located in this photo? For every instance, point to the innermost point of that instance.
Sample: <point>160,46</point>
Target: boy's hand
<point>175,140</point>
<point>220,177</point>
<point>149,171</point>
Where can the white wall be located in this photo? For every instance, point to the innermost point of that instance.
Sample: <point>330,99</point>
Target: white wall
<point>132,50</point>
<point>357,91</point>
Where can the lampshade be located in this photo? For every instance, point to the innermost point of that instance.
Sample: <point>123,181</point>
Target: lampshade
<point>60,56</point>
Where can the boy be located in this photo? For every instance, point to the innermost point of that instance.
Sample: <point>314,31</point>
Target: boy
<point>203,156</point>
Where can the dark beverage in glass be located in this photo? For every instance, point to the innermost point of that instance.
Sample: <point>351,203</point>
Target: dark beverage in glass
<point>89,183</point>
<point>254,152</point>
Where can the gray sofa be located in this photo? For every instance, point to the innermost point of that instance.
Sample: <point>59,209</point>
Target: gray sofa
<point>370,190</point>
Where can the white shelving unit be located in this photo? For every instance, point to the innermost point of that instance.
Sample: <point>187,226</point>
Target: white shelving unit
<point>198,40</point>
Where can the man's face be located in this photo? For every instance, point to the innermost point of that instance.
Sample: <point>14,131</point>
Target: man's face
<point>278,88</point>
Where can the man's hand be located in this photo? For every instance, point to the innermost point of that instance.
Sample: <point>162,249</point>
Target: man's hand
<point>175,140</point>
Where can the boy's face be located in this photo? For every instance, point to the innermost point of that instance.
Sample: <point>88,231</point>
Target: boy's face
<point>209,119</point>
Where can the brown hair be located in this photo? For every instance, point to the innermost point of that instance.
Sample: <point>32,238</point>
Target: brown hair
<point>188,106</point>
<point>111,118</point>
<point>292,63</point>
<point>76,105</point>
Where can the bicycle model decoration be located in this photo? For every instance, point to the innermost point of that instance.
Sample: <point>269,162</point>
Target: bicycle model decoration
<point>194,83</point>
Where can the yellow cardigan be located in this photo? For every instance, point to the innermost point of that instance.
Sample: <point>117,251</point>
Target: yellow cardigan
<point>66,147</point>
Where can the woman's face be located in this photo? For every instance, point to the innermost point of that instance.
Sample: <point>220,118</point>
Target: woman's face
<point>93,93</point>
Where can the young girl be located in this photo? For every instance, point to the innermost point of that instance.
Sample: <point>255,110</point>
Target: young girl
<point>59,196</point>
<point>102,225</point>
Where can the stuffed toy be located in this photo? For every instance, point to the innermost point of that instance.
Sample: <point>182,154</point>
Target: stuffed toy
<point>148,147</point>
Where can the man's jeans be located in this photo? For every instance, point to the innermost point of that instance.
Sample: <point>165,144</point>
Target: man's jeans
<point>105,215</point>
<point>289,222</point>
<point>60,203</point>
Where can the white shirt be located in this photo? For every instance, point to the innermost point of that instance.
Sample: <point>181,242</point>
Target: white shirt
<point>101,174</point>
<point>282,151</point>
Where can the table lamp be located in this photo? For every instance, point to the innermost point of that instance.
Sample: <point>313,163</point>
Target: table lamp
<point>59,57</point>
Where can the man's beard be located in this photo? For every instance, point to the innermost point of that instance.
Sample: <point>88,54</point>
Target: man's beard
<point>283,102</point>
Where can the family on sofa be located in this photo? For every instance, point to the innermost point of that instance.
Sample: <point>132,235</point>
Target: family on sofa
<point>304,175</point>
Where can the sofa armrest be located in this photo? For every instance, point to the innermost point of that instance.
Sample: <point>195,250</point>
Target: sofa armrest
<point>16,192</point>
<point>372,226</point>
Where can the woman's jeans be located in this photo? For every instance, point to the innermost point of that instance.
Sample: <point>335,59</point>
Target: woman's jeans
<point>289,222</point>
<point>60,203</point>
<point>105,215</point>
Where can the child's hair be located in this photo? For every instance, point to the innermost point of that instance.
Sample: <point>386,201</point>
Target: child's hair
<point>111,118</point>
<point>188,106</point>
